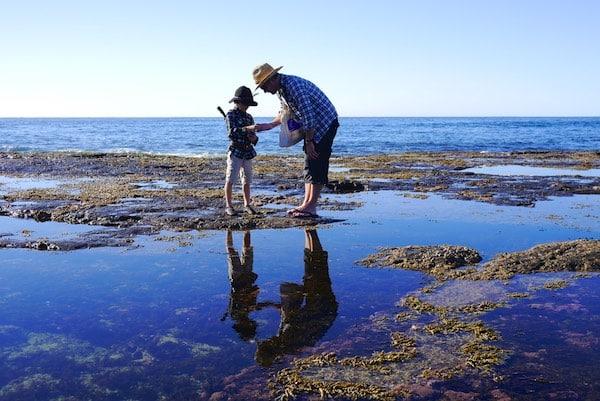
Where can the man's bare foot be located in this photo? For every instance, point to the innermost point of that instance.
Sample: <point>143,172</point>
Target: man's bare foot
<point>304,214</point>
<point>294,210</point>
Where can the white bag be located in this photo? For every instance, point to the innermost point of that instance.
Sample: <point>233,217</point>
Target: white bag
<point>290,133</point>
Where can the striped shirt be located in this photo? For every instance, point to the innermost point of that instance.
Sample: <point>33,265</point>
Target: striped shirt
<point>309,104</point>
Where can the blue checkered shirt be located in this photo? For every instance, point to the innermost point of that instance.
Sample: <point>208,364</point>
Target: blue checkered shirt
<point>239,145</point>
<point>309,104</point>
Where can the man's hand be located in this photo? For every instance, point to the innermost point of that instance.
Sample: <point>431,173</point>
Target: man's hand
<point>309,149</point>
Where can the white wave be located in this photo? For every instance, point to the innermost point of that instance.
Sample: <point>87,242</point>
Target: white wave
<point>15,148</point>
<point>138,151</point>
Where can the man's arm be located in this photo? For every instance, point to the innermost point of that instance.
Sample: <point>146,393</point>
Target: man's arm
<point>265,127</point>
<point>309,144</point>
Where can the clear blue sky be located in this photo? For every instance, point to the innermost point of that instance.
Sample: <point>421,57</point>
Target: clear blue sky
<point>372,58</point>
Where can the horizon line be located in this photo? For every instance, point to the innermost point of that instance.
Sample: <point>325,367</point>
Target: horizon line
<point>375,116</point>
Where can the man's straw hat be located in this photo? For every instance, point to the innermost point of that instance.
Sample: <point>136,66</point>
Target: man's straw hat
<point>262,73</point>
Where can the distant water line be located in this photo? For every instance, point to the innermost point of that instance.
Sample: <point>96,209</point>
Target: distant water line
<point>356,135</point>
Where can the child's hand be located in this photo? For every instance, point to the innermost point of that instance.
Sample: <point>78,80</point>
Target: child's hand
<point>253,138</point>
<point>251,129</point>
<point>261,127</point>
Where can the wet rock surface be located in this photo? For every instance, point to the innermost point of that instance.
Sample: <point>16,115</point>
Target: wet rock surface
<point>442,172</point>
<point>438,261</point>
<point>446,339</point>
<point>87,240</point>
<point>164,192</point>
<point>572,256</point>
<point>169,192</point>
<point>441,261</point>
<point>184,193</point>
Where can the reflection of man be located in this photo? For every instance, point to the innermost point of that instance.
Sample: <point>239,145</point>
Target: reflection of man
<point>308,310</point>
<point>244,291</point>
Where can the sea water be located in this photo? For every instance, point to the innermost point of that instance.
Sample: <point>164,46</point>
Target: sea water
<point>356,136</point>
<point>165,321</point>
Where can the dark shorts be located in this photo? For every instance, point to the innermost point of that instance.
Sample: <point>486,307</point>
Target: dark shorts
<point>316,170</point>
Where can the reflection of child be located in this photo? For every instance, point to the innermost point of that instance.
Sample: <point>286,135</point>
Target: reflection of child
<point>242,135</point>
<point>244,291</point>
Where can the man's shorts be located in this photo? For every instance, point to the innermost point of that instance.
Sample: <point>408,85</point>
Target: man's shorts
<point>316,170</point>
<point>237,166</point>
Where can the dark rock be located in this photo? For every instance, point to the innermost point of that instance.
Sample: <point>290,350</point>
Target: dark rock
<point>345,186</point>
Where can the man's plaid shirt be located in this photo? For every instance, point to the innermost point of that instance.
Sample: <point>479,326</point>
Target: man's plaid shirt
<point>240,145</point>
<point>309,104</point>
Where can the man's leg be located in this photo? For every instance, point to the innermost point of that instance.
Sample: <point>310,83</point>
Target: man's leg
<point>315,173</point>
<point>307,190</point>
<point>312,191</point>
<point>312,195</point>
<point>304,201</point>
<point>306,194</point>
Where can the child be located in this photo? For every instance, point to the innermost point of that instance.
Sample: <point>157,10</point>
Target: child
<point>242,135</point>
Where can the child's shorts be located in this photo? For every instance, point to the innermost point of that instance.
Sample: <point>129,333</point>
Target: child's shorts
<point>237,166</point>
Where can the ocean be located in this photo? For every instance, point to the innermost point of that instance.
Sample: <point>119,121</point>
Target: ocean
<point>356,135</point>
<point>226,314</point>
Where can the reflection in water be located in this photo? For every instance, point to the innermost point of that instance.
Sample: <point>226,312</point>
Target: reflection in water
<point>244,291</point>
<point>307,310</point>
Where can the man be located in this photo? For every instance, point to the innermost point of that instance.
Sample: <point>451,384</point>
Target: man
<point>319,124</point>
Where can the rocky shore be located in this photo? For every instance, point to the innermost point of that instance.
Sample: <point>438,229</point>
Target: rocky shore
<point>154,192</point>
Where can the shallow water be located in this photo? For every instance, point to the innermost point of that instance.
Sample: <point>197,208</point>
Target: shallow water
<point>516,170</point>
<point>187,315</point>
<point>33,230</point>
<point>24,183</point>
<point>11,184</point>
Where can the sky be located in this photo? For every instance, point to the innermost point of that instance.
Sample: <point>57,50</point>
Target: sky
<point>133,58</point>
